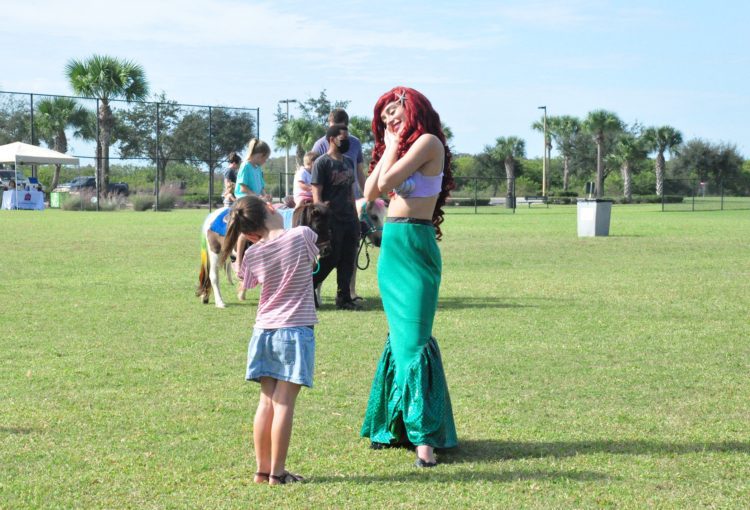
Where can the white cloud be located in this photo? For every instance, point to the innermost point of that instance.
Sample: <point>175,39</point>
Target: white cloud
<point>221,23</point>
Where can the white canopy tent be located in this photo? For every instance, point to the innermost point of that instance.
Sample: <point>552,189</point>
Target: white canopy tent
<point>19,153</point>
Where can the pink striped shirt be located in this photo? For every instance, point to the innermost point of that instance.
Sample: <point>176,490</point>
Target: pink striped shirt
<point>284,268</point>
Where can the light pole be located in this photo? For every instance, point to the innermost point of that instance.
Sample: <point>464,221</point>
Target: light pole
<point>544,153</point>
<point>286,162</point>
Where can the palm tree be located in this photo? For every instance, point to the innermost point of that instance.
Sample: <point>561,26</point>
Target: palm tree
<point>564,129</point>
<point>106,78</point>
<point>56,115</point>
<point>509,150</point>
<point>629,150</point>
<point>601,124</point>
<point>447,131</point>
<point>299,132</point>
<point>660,140</point>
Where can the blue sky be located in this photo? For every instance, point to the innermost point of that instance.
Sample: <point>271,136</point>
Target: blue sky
<point>485,65</point>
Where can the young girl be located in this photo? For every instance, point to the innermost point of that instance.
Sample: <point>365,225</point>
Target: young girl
<point>250,182</point>
<point>302,187</point>
<point>281,353</point>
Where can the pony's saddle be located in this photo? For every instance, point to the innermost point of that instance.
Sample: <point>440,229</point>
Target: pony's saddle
<point>219,224</point>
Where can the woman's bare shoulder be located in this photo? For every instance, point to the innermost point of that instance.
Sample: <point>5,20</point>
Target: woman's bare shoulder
<point>429,138</point>
<point>430,151</point>
<point>429,142</point>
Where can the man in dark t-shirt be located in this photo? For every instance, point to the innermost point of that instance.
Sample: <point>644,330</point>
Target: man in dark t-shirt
<point>332,179</point>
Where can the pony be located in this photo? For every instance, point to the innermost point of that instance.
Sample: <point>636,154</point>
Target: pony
<point>371,220</point>
<point>315,216</point>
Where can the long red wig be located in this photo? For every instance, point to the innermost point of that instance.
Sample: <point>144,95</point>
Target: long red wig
<point>421,118</point>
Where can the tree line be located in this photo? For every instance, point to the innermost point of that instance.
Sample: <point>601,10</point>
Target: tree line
<point>592,148</point>
<point>602,144</point>
<point>160,131</point>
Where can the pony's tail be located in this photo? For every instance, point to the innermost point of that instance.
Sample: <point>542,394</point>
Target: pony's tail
<point>204,282</point>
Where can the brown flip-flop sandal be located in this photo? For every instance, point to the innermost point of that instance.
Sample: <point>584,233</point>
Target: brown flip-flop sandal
<point>262,475</point>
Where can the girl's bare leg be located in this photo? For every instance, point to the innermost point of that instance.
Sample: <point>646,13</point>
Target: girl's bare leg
<point>284,398</point>
<point>240,251</point>
<point>262,429</point>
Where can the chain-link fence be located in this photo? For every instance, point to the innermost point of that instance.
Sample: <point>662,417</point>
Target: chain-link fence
<point>700,195</point>
<point>471,194</point>
<point>161,151</point>
<point>483,194</point>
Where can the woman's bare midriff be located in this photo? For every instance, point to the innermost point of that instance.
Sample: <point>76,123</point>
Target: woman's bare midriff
<point>421,208</point>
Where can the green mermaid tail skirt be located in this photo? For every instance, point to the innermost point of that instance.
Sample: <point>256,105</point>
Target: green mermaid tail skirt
<point>417,412</point>
<point>409,400</point>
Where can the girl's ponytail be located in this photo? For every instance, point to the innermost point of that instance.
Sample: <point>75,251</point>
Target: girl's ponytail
<point>248,215</point>
<point>255,146</point>
<point>230,239</point>
<point>251,147</point>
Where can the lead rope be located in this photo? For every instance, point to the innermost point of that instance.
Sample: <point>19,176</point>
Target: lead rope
<point>366,244</point>
<point>363,217</point>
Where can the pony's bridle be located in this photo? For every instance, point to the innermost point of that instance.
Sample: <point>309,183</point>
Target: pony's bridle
<point>365,218</point>
<point>370,228</point>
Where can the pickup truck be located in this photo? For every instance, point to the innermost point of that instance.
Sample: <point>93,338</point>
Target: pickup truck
<point>89,183</point>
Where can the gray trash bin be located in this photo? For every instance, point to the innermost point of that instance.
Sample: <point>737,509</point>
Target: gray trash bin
<point>593,217</point>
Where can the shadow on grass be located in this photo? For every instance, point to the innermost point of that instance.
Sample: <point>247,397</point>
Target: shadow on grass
<point>458,303</point>
<point>370,304</point>
<point>374,303</point>
<point>473,475</point>
<point>16,430</point>
<point>477,451</point>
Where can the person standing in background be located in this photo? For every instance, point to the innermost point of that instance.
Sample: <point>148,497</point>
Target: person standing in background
<point>250,182</point>
<point>332,178</point>
<point>230,178</point>
<point>339,116</point>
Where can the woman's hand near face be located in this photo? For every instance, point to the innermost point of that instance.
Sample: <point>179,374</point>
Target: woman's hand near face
<point>390,138</point>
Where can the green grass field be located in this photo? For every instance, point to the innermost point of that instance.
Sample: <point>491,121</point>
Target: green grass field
<point>600,372</point>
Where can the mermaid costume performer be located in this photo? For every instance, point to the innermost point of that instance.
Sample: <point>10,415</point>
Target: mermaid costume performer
<point>409,401</point>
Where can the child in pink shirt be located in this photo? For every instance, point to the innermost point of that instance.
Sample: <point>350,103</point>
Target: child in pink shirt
<point>302,188</point>
<point>281,352</point>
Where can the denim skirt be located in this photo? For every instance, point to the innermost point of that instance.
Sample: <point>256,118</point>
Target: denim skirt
<point>285,354</point>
